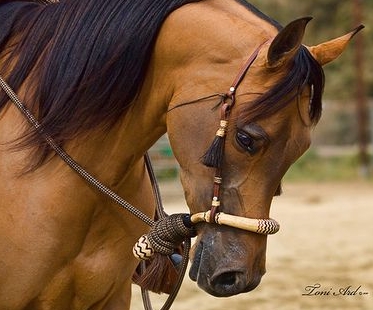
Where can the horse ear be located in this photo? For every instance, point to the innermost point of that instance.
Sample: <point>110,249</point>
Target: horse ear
<point>330,50</point>
<point>287,42</point>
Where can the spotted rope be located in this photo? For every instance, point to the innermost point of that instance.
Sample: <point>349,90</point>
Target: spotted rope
<point>165,236</point>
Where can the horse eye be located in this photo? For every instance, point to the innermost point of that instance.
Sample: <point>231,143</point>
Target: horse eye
<point>246,142</point>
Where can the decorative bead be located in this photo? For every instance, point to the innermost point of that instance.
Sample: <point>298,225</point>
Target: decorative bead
<point>220,132</point>
<point>218,180</point>
<point>215,202</point>
<point>223,123</point>
<point>222,129</point>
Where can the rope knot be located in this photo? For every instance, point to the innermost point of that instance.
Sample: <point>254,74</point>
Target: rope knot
<point>165,236</point>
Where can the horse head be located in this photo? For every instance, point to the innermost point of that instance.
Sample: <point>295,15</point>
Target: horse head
<point>277,103</point>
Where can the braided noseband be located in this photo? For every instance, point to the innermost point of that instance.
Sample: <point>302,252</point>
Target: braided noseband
<point>168,233</point>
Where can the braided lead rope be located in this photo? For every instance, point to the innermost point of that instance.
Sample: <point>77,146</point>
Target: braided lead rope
<point>70,161</point>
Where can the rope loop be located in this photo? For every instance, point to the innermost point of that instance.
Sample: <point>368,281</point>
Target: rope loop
<point>165,236</point>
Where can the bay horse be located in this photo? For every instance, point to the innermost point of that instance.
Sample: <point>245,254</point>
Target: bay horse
<point>105,80</point>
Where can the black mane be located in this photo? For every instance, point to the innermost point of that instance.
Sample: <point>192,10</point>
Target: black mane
<point>94,56</point>
<point>305,71</point>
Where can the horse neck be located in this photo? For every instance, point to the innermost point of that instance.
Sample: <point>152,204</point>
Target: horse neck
<point>209,41</point>
<point>121,149</point>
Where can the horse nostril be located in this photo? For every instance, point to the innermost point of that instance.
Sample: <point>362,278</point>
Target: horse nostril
<point>227,281</point>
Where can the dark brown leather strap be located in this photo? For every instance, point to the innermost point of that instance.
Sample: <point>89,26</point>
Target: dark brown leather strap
<point>228,102</point>
<point>241,74</point>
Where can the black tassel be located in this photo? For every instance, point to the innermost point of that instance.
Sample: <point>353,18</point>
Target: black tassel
<point>214,155</point>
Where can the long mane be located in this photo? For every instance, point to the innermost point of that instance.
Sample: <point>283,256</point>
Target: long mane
<point>84,61</point>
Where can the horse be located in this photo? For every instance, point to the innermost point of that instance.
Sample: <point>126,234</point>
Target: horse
<point>105,80</point>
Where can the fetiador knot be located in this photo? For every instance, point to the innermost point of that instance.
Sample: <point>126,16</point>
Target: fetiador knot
<point>165,236</point>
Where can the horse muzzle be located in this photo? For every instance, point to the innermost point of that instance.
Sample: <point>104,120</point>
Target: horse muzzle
<point>224,265</point>
<point>226,261</point>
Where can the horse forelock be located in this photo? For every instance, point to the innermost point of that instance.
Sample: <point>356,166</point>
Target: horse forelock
<point>305,71</point>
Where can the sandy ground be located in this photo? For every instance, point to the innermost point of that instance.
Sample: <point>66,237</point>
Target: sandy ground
<point>325,241</point>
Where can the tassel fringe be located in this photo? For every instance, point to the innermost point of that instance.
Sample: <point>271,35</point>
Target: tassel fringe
<point>214,155</point>
<point>160,275</point>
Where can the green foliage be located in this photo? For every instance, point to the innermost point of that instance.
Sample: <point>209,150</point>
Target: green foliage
<point>313,167</point>
<point>171,173</point>
<point>332,18</point>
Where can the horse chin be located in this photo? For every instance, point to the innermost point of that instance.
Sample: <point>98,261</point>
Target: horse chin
<point>220,281</point>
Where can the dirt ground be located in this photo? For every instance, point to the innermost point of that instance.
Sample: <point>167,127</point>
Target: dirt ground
<point>324,244</point>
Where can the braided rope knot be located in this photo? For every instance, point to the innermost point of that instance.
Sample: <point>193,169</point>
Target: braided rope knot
<point>165,236</point>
